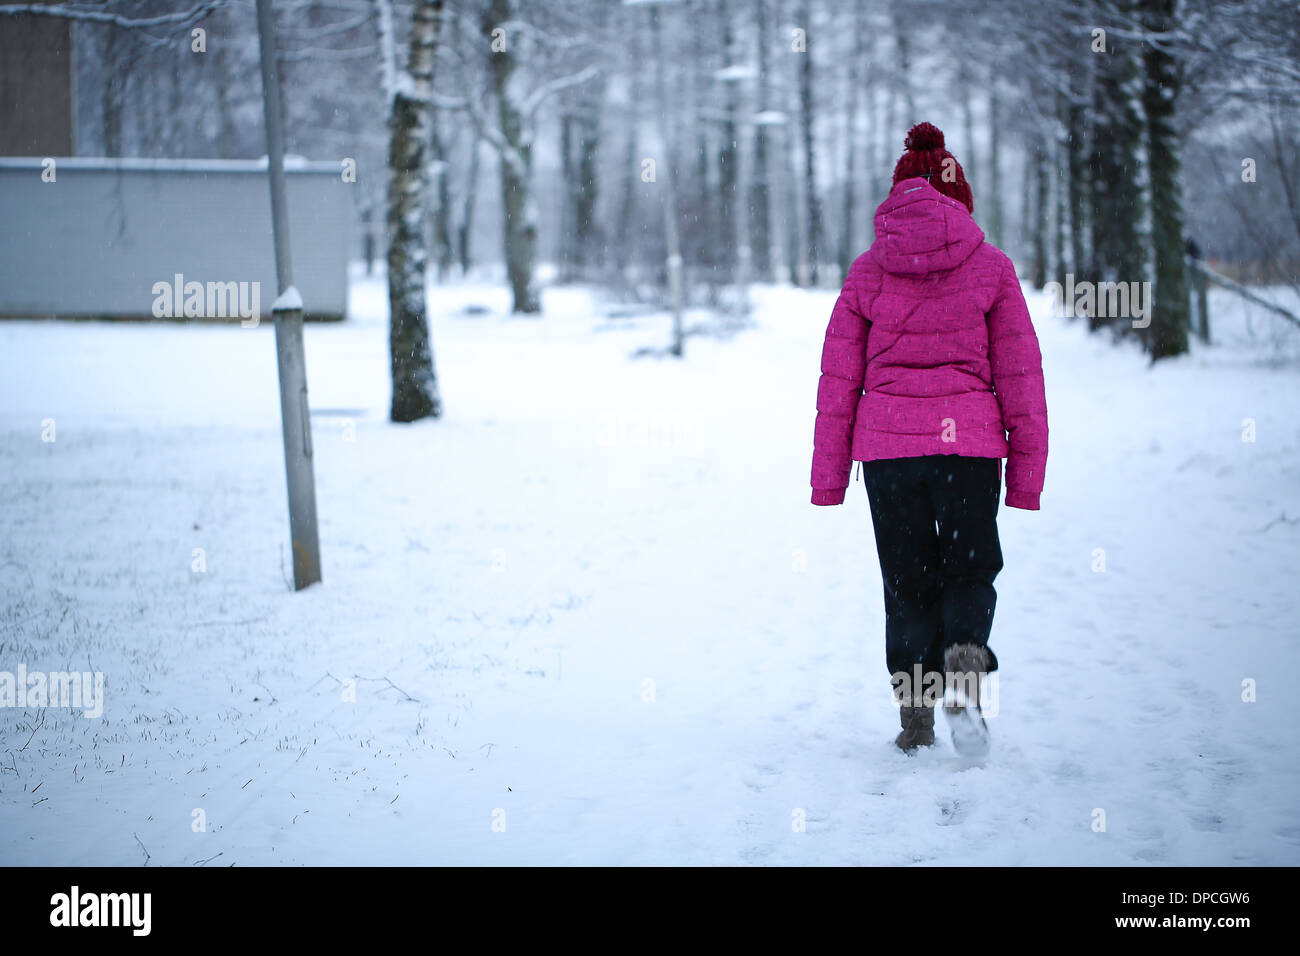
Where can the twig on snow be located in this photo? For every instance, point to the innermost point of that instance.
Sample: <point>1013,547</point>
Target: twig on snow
<point>359,677</point>
<point>1280,519</point>
<point>39,722</point>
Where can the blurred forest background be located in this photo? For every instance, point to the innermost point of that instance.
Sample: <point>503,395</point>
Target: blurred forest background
<point>1098,135</point>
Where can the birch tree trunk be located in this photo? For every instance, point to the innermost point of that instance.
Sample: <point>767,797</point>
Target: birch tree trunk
<point>442,202</point>
<point>516,170</point>
<point>415,385</point>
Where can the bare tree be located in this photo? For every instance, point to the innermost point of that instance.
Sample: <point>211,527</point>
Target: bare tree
<point>408,91</point>
<point>806,110</point>
<point>760,201</point>
<point>1171,316</point>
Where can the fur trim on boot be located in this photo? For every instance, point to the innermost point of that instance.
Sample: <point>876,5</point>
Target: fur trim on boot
<point>966,667</point>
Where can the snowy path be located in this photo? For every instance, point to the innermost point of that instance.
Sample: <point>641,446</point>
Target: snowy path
<point>628,635</point>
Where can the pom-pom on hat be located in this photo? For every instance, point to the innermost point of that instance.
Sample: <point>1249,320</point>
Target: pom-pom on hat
<point>926,157</point>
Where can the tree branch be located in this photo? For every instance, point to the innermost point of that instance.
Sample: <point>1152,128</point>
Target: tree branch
<point>530,106</point>
<point>103,16</point>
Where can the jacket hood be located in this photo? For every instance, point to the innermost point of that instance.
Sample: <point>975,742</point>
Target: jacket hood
<point>919,231</point>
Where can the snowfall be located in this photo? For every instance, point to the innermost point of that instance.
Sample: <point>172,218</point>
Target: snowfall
<point>589,616</point>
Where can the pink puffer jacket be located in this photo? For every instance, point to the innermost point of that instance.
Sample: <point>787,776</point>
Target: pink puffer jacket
<point>930,351</point>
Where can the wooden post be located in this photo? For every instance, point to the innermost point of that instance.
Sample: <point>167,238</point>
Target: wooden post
<point>1201,288</point>
<point>1209,275</point>
<point>295,416</point>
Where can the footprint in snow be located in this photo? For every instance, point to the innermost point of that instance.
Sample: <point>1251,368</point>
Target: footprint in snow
<point>761,778</point>
<point>951,812</point>
<point>756,854</point>
<point>1289,834</point>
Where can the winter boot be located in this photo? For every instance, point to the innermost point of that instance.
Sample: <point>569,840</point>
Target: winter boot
<point>918,727</point>
<point>966,667</point>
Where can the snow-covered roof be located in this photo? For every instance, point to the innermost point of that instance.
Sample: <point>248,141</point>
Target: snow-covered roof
<point>292,164</point>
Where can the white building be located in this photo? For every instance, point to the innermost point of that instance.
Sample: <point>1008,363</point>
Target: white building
<point>92,238</point>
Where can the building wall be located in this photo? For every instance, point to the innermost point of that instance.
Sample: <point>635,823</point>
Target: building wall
<point>93,243</point>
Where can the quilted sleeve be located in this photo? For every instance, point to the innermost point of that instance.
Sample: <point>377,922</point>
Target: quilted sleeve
<point>1017,367</point>
<point>844,361</point>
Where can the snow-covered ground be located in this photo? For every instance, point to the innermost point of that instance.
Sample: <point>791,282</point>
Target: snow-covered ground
<point>593,618</point>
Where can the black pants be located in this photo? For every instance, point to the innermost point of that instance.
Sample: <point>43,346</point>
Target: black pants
<point>937,536</point>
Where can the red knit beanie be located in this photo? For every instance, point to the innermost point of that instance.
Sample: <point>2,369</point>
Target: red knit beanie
<point>927,158</point>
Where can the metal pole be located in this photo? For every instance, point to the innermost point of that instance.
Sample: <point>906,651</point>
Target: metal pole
<point>295,417</point>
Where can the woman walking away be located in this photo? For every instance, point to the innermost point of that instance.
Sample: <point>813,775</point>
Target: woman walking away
<point>931,374</point>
